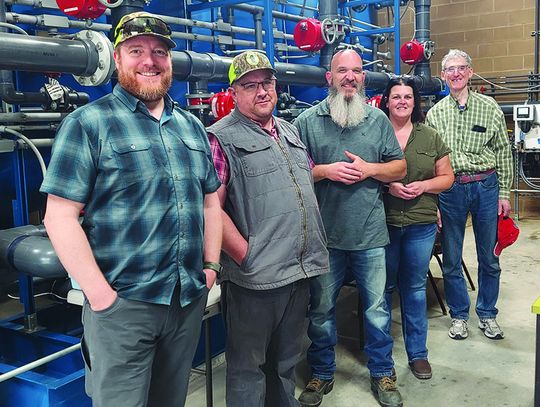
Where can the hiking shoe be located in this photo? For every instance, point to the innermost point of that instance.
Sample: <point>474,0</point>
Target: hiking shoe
<point>458,330</point>
<point>386,392</point>
<point>491,328</point>
<point>315,390</point>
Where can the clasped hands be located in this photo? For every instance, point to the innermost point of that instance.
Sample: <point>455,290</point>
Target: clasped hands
<point>349,173</point>
<point>407,192</point>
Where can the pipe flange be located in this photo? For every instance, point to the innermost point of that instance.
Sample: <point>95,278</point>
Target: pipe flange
<point>105,66</point>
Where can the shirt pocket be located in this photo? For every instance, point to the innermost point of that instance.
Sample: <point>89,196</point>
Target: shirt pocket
<point>425,163</point>
<point>475,141</point>
<point>256,158</point>
<point>197,158</point>
<point>134,157</point>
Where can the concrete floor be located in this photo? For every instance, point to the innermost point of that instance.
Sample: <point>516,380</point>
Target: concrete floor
<point>473,372</point>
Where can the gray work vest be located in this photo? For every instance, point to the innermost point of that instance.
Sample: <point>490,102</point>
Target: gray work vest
<point>271,201</point>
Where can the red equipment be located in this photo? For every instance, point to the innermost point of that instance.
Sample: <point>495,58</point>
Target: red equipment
<point>222,104</point>
<point>81,9</point>
<point>308,35</point>
<point>412,52</point>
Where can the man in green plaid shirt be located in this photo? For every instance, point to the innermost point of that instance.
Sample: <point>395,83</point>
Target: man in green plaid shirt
<point>473,126</point>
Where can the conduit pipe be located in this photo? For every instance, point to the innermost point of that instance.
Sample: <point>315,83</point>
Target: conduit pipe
<point>28,250</point>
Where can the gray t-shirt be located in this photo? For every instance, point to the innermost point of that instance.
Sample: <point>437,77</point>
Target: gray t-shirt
<point>353,215</point>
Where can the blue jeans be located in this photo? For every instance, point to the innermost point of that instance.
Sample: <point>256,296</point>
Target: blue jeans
<point>481,200</point>
<point>407,264</point>
<point>368,269</point>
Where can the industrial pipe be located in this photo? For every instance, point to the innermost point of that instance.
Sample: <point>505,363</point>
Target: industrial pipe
<point>26,117</point>
<point>42,54</point>
<point>327,10</point>
<point>422,35</point>
<point>28,250</point>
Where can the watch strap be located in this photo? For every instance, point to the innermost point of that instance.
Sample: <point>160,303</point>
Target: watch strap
<point>213,266</point>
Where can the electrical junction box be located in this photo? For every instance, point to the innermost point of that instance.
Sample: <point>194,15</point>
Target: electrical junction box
<point>527,126</point>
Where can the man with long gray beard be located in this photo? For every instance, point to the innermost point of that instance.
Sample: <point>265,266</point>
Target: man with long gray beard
<point>355,152</point>
<point>148,248</point>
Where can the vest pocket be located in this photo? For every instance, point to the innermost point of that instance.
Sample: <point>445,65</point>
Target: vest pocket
<point>298,152</point>
<point>256,158</point>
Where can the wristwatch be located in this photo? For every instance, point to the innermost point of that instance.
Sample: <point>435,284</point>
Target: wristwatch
<point>217,267</point>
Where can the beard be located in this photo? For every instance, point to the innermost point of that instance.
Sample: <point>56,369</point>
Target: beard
<point>347,111</point>
<point>145,92</point>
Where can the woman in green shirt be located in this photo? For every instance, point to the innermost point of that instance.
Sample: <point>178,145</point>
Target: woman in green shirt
<point>411,215</point>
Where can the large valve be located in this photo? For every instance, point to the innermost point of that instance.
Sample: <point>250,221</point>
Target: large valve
<point>308,35</point>
<point>414,52</point>
<point>81,9</point>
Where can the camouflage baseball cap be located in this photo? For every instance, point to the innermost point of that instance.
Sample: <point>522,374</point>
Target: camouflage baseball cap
<point>248,61</point>
<point>142,23</point>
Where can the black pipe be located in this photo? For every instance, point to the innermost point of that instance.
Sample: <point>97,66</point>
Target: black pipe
<point>422,34</point>
<point>257,22</point>
<point>44,54</point>
<point>327,9</point>
<point>41,54</point>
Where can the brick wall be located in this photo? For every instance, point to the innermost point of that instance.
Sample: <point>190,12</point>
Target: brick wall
<point>495,33</point>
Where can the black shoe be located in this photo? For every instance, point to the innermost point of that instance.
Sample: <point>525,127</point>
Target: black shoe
<point>313,394</point>
<point>386,391</point>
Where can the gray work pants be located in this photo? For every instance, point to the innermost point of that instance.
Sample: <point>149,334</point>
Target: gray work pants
<point>140,354</point>
<point>265,330</point>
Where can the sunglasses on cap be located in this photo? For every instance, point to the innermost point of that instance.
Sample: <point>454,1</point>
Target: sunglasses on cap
<point>142,25</point>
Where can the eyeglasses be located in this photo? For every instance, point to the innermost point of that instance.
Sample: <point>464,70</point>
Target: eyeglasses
<point>454,69</point>
<point>252,87</point>
<point>141,25</point>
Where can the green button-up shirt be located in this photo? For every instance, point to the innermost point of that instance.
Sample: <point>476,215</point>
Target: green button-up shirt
<point>477,136</point>
<point>424,148</point>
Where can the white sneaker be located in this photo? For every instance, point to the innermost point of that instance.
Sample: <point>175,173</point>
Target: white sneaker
<point>458,330</point>
<point>491,328</point>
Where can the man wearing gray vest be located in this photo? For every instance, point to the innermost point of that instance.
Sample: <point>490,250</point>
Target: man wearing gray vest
<point>273,238</point>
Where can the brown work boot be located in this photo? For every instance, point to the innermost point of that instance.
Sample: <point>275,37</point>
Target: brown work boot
<point>421,369</point>
<point>313,394</point>
<point>386,391</point>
